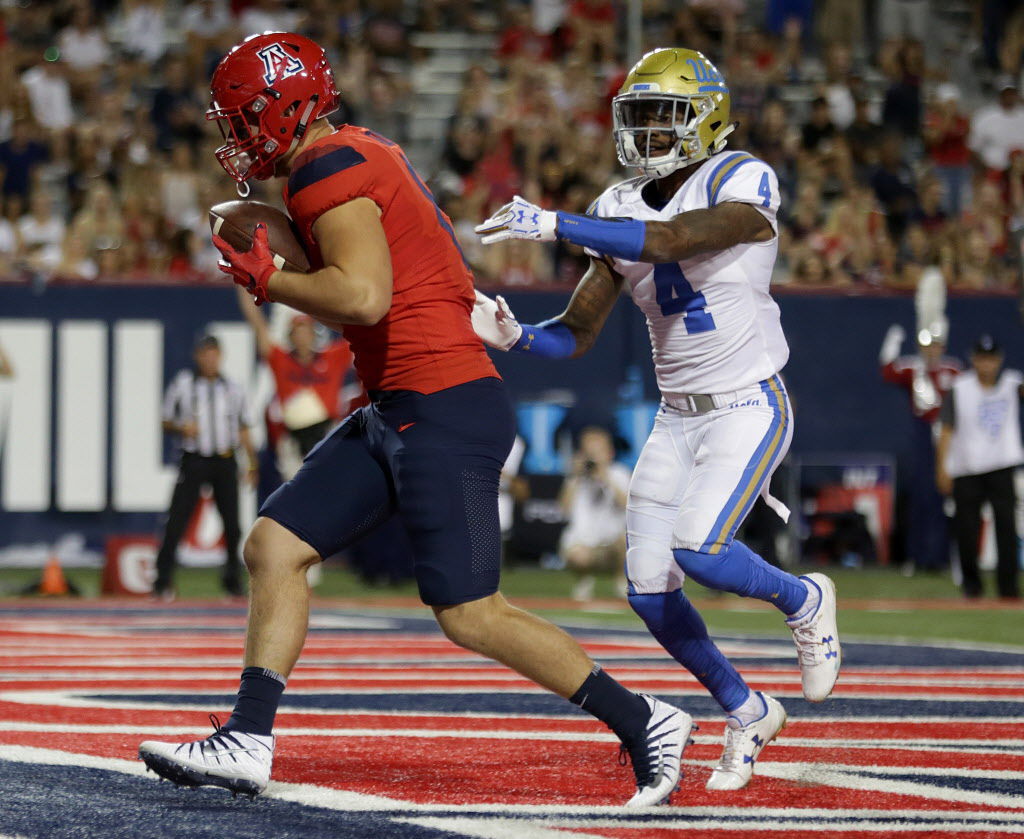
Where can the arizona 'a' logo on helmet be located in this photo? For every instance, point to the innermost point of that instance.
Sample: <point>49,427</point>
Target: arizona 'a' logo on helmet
<point>277,63</point>
<point>266,91</point>
<point>672,110</point>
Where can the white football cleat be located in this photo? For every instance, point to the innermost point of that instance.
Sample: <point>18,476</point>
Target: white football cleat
<point>234,760</point>
<point>817,642</point>
<point>743,744</point>
<point>657,760</point>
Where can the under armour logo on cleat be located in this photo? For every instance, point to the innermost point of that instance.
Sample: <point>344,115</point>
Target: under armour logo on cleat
<point>757,740</point>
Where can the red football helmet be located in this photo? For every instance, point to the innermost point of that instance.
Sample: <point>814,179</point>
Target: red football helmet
<point>265,93</point>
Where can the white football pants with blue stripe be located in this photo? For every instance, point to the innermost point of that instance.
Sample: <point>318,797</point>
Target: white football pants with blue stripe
<point>697,478</point>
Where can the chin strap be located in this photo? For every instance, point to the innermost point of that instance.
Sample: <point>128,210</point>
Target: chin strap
<point>300,129</point>
<point>720,139</point>
<point>243,189</point>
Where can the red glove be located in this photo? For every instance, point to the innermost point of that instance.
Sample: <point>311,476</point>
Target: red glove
<point>251,269</point>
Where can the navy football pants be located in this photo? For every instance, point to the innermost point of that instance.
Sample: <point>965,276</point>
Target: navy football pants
<point>434,460</point>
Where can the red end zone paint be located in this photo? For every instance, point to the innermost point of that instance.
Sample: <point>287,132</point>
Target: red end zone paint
<point>892,763</point>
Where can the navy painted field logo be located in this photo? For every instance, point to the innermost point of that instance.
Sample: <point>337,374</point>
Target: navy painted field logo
<point>278,64</point>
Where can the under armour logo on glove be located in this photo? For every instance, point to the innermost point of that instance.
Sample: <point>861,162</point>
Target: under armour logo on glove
<point>519,219</point>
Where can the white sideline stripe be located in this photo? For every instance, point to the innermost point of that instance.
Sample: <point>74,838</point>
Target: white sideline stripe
<point>282,731</point>
<point>86,625</point>
<point>327,658</point>
<point>367,655</point>
<point>67,699</point>
<point>300,793</point>
<point>744,816</point>
<point>980,747</point>
<point>498,828</point>
<point>525,689</point>
<point>74,674</point>
<point>507,829</point>
<point>55,757</point>
<point>850,777</point>
<point>937,771</point>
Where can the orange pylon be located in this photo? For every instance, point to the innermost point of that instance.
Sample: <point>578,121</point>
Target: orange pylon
<point>53,581</point>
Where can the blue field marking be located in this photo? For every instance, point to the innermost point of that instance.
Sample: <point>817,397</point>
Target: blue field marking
<point>107,804</point>
<point>974,783</point>
<point>855,654</point>
<point>41,801</point>
<point>543,704</point>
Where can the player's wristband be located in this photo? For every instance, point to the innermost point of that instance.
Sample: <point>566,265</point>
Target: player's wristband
<point>550,339</point>
<point>620,237</point>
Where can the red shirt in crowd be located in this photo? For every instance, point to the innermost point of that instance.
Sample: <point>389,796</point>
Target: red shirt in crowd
<point>951,147</point>
<point>905,369</point>
<point>325,374</point>
<point>595,11</point>
<point>524,41</point>
<point>426,341</point>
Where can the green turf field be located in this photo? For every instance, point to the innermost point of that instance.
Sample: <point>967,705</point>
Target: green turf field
<point>869,601</point>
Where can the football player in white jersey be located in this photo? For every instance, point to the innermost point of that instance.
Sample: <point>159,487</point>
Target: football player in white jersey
<point>693,239</point>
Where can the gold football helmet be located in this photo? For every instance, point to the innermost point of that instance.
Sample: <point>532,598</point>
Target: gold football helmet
<point>672,110</point>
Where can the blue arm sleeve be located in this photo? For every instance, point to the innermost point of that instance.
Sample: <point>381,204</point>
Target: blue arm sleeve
<point>618,237</point>
<point>550,339</point>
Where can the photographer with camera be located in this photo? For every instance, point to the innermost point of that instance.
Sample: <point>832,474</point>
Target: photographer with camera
<point>594,500</point>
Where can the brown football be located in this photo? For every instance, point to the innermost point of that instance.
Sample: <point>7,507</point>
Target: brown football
<point>235,221</point>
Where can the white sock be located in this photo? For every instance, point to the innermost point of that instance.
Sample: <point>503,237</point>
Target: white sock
<point>810,604</point>
<point>750,711</point>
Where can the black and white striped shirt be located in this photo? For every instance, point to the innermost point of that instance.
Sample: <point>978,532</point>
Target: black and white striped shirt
<point>218,407</point>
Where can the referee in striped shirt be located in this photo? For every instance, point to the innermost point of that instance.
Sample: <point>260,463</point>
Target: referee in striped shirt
<point>210,414</point>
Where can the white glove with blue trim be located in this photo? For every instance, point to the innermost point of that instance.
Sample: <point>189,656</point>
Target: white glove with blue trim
<point>494,323</point>
<point>519,219</point>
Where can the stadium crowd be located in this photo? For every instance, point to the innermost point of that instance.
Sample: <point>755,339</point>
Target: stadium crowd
<point>897,130</point>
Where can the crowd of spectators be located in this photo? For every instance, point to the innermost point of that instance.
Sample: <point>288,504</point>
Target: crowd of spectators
<point>896,130</point>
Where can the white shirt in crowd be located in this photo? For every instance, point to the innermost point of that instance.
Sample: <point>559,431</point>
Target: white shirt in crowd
<point>253,21</point>
<point>83,49</point>
<point>142,30</point>
<point>985,423</point>
<point>8,241</point>
<point>42,239</point>
<point>49,96</point>
<point>206,18</point>
<point>995,132</point>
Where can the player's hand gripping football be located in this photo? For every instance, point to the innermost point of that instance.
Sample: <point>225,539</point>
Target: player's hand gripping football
<point>252,268</point>
<point>519,219</point>
<point>494,322</point>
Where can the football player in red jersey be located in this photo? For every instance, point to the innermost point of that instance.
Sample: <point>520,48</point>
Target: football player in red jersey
<point>387,271</point>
